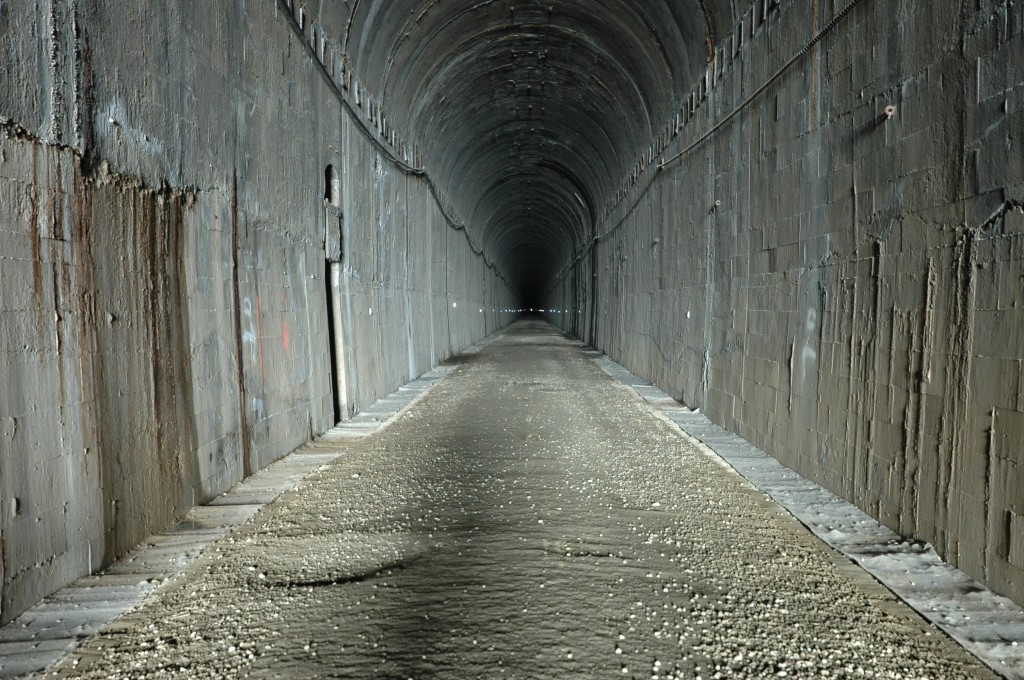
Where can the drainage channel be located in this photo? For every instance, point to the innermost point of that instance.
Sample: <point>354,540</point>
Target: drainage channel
<point>59,623</point>
<point>988,625</point>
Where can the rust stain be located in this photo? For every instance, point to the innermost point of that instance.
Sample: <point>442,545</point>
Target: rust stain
<point>90,366</point>
<point>183,376</point>
<point>151,223</point>
<point>57,258</point>
<point>137,261</point>
<point>138,253</point>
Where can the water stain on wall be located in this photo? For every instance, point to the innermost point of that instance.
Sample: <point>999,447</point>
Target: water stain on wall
<point>144,398</point>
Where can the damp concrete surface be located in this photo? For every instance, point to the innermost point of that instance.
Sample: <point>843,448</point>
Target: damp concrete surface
<point>528,518</point>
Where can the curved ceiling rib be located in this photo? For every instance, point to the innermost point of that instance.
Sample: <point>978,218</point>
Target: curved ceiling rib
<point>528,114</point>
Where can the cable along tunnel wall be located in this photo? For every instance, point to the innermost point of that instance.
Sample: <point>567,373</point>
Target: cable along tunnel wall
<point>835,273</point>
<point>163,307</point>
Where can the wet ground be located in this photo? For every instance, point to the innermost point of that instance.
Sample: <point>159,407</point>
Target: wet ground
<point>528,518</point>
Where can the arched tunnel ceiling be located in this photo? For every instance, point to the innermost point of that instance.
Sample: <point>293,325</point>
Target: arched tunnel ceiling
<point>529,114</point>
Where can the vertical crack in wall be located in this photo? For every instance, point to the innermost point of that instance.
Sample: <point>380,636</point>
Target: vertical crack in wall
<point>874,350</point>
<point>90,367</point>
<point>244,429</point>
<point>709,296</point>
<point>84,90</point>
<point>920,347</point>
<point>953,437</point>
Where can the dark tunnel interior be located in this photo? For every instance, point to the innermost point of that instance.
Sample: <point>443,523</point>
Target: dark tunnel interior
<point>528,113</point>
<point>228,229</point>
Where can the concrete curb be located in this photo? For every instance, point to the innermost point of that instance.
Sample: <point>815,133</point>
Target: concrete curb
<point>988,625</point>
<point>59,623</point>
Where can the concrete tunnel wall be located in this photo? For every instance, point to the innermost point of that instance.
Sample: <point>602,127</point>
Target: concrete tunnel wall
<point>165,229</point>
<point>839,282</point>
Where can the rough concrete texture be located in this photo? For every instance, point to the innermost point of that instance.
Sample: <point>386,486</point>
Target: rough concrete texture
<point>531,518</point>
<point>832,268</point>
<point>987,624</point>
<point>46,632</point>
<point>164,278</point>
<point>224,227</point>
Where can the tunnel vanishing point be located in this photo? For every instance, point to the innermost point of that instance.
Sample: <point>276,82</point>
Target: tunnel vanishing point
<point>226,226</point>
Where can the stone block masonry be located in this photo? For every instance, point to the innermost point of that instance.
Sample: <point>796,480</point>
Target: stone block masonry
<point>837,268</point>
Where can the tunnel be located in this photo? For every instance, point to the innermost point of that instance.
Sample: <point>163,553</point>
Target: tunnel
<point>230,228</point>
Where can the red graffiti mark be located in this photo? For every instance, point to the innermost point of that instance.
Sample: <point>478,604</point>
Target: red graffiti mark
<point>284,335</point>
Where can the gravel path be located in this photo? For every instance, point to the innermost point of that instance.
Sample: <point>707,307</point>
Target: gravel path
<point>529,518</point>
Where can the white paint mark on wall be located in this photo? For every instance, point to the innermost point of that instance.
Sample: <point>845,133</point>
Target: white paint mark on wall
<point>249,332</point>
<point>808,355</point>
<point>114,120</point>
